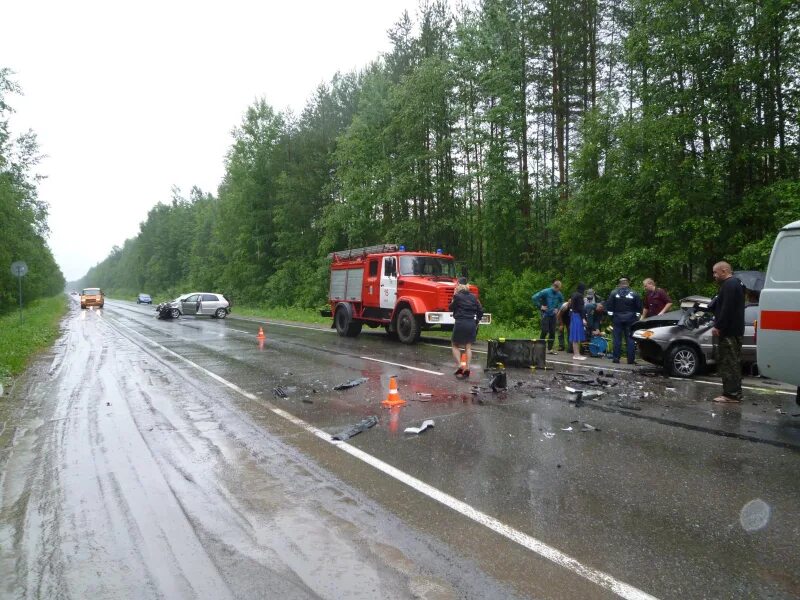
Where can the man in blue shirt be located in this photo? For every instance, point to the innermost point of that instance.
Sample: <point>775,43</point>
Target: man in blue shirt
<point>549,300</point>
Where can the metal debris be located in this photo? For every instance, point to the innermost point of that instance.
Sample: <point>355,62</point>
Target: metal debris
<point>351,384</point>
<point>416,430</point>
<point>362,425</point>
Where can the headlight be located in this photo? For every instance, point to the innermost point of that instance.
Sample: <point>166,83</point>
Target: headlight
<point>646,334</point>
<point>434,318</point>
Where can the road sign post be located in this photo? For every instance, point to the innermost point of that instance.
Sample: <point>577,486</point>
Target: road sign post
<point>19,269</point>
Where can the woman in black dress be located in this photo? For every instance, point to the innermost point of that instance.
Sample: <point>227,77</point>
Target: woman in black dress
<point>467,312</point>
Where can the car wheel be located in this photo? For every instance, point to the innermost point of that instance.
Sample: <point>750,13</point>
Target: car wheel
<point>221,313</point>
<point>684,361</point>
<point>408,329</point>
<point>175,313</point>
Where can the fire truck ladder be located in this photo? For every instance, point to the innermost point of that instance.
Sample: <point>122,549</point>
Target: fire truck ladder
<point>358,252</point>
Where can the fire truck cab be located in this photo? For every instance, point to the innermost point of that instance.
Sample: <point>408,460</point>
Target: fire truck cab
<point>385,285</point>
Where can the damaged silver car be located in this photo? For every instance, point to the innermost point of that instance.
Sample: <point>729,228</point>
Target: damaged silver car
<point>683,342</point>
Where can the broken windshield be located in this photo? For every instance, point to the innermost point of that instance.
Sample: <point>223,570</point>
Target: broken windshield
<point>427,266</point>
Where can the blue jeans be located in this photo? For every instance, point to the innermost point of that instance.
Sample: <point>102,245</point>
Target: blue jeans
<point>622,326</point>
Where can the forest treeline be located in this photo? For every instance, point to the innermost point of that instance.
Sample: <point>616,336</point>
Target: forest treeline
<point>530,138</point>
<point>23,216</point>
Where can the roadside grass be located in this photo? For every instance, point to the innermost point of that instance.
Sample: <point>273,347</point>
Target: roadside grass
<point>514,331</point>
<point>20,340</point>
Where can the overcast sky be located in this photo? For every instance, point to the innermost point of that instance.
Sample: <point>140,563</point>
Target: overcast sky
<point>129,99</point>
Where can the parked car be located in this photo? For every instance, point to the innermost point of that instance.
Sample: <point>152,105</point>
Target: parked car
<point>144,299</point>
<point>200,303</point>
<point>92,297</point>
<point>685,348</point>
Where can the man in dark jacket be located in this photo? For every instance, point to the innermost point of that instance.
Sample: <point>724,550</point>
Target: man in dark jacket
<point>729,330</point>
<point>624,307</point>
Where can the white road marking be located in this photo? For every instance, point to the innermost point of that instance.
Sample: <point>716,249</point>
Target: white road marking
<point>386,362</point>
<point>546,551</point>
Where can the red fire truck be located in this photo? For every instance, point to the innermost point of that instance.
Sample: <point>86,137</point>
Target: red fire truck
<point>385,285</point>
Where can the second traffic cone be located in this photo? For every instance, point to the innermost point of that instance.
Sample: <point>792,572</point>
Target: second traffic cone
<point>393,399</point>
<point>463,364</point>
<point>260,335</point>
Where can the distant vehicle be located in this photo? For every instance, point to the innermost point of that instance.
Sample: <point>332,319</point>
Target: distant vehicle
<point>92,297</point>
<point>144,299</point>
<point>779,324</point>
<point>213,305</point>
<point>685,347</point>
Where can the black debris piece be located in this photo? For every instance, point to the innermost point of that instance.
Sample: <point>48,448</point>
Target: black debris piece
<point>351,384</point>
<point>279,392</point>
<point>362,425</point>
<point>575,377</point>
<point>308,401</point>
<point>498,381</point>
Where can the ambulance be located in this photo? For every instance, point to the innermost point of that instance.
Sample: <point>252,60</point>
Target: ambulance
<point>778,332</point>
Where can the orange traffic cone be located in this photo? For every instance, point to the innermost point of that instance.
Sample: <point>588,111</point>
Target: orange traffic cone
<point>260,335</point>
<point>463,364</point>
<point>393,399</point>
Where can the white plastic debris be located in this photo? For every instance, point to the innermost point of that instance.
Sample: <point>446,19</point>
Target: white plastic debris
<point>549,434</point>
<point>592,394</point>
<point>425,424</point>
<point>571,390</point>
<point>567,428</point>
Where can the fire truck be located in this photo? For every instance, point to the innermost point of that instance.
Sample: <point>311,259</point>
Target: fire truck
<point>385,285</point>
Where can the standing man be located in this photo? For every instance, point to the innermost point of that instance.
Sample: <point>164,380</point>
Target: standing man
<point>624,306</point>
<point>549,300</point>
<point>729,329</point>
<point>656,300</point>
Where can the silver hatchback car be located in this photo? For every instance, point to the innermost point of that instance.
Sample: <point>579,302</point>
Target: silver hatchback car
<point>683,343</point>
<point>213,305</point>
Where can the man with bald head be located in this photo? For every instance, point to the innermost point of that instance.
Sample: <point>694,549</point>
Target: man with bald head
<point>728,329</point>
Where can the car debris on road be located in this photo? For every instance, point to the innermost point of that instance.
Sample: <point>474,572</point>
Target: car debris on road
<point>353,430</point>
<point>417,430</point>
<point>351,384</point>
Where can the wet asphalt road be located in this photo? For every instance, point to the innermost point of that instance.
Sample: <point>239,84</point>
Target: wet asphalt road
<point>154,459</point>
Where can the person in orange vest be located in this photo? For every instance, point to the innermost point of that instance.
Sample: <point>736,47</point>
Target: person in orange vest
<point>467,312</point>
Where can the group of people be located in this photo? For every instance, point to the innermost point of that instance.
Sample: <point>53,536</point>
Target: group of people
<point>582,316</point>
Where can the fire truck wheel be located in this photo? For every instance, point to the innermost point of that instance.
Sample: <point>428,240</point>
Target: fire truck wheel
<point>345,325</point>
<point>408,329</point>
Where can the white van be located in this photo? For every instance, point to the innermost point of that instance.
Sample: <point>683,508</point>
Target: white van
<point>778,333</point>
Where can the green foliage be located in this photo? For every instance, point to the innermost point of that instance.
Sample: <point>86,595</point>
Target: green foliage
<point>21,339</point>
<point>23,217</point>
